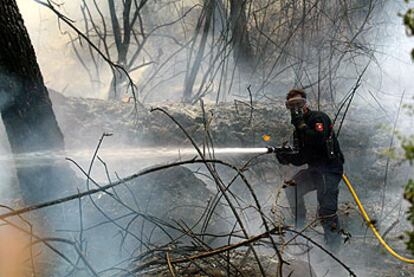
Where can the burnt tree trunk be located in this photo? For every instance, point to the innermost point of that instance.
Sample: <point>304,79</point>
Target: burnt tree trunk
<point>25,106</point>
<point>191,75</point>
<point>242,50</point>
<point>122,36</point>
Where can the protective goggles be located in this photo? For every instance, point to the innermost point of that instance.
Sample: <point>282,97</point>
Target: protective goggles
<point>295,103</point>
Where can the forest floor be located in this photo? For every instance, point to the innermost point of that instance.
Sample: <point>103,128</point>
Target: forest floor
<point>238,124</point>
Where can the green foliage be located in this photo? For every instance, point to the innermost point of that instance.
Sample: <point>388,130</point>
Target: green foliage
<point>408,19</point>
<point>409,195</point>
<point>408,143</point>
<point>408,148</point>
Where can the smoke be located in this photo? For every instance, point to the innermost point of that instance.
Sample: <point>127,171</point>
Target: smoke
<point>52,47</point>
<point>388,77</point>
<point>55,45</point>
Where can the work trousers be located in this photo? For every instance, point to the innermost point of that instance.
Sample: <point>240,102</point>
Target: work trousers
<point>326,185</point>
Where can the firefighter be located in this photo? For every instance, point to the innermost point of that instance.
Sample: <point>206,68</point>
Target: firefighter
<point>315,144</point>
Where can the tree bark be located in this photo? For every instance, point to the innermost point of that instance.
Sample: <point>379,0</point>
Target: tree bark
<point>25,105</point>
<point>242,50</point>
<point>191,76</point>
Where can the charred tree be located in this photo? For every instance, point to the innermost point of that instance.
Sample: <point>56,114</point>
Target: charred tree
<point>121,37</point>
<point>25,105</point>
<point>205,19</point>
<point>122,43</point>
<point>242,50</point>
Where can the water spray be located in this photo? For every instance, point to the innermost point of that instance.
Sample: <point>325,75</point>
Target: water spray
<point>38,158</point>
<point>128,154</point>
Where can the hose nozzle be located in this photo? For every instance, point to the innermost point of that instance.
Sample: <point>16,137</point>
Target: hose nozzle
<point>271,149</point>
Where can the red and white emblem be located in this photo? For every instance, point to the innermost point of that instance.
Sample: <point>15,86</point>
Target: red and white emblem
<point>319,127</point>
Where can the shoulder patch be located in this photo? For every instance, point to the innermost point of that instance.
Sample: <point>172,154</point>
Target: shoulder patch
<point>319,127</point>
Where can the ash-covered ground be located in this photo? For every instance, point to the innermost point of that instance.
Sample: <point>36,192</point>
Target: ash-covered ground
<point>166,210</point>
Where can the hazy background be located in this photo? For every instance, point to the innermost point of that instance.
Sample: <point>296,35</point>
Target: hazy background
<point>390,74</point>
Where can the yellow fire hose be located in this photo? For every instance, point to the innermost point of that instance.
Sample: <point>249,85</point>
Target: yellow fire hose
<point>371,225</point>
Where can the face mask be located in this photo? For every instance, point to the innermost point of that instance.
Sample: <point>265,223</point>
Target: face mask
<point>295,103</point>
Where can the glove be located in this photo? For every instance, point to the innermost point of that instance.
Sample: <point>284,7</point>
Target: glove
<point>297,119</point>
<point>282,158</point>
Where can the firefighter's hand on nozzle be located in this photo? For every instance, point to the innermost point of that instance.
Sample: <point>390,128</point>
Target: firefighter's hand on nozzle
<point>281,157</point>
<point>282,153</point>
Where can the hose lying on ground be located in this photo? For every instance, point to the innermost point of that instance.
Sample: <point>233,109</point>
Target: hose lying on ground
<point>371,225</point>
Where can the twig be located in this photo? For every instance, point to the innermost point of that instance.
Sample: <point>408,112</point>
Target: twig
<point>170,266</point>
<point>218,182</point>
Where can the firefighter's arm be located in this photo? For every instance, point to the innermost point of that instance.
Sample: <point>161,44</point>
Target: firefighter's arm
<point>290,158</point>
<point>297,159</point>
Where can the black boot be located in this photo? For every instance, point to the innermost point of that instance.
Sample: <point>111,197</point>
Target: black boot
<point>332,234</point>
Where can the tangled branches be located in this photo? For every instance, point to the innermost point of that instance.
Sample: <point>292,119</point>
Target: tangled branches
<point>215,238</point>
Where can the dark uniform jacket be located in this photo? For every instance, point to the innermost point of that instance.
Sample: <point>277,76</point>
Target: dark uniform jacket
<point>313,146</point>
